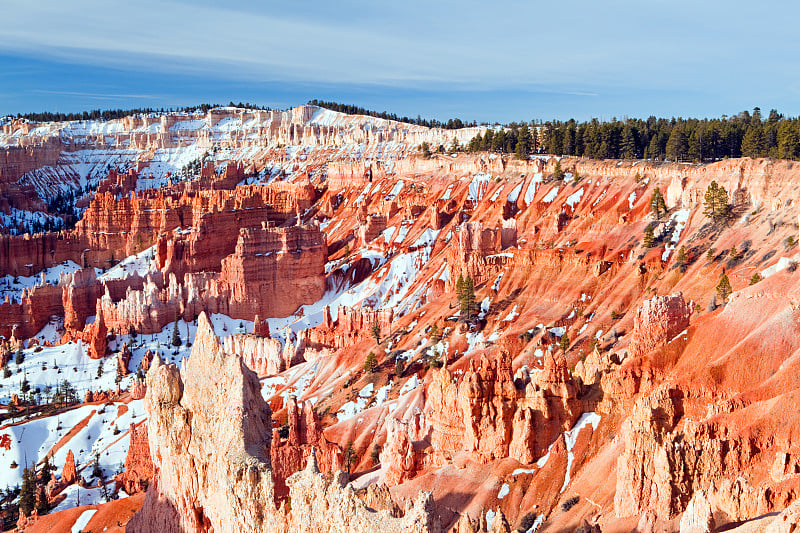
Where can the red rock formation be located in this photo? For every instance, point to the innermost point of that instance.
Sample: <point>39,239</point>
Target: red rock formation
<point>305,436</point>
<point>138,466</point>
<point>79,298</point>
<point>398,455</point>
<point>351,325</point>
<point>138,389</point>
<point>123,358</point>
<point>98,336</point>
<point>260,327</point>
<point>485,413</point>
<point>658,321</point>
<point>68,474</point>
<point>26,318</point>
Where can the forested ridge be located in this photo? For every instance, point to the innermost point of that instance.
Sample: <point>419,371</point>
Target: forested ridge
<point>676,139</point>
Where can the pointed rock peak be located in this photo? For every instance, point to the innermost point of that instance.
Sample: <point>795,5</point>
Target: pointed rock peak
<point>312,465</point>
<point>206,340</point>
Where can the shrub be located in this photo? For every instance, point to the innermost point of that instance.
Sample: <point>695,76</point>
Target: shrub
<point>527,521</point>
<point>570,503</point>
<point>755,279</point>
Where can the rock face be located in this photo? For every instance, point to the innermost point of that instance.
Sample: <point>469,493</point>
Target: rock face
<point>305,436</point>
<point>262,355</point>
<point>657,321</point>
<point>209,436</point>
<point>487,414</point>
<point>698,517</point>
<point>351,325</point>
<point>319,505</point>
<point>398,455</point>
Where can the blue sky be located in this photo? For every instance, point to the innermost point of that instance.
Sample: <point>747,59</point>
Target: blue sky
<point>484,61</point>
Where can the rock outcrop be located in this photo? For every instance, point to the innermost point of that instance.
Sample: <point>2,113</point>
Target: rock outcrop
<point>487,414</point>
<point>138,466</point>
<point>657,321</point>
<point>209,436</point>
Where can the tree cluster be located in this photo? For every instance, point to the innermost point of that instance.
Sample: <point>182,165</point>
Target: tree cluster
<point>715,202</point>
<point>451,124</point>
<point>674,139</point>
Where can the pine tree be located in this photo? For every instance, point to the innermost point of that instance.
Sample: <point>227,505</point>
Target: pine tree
<point>563,343</point>
<point>716,202</point>
<point>755,279</point>
<point>724,287</point>
<point>97,472</point>
<point>523,148</point>
<point>27,493</point>
<point>677,145</point>
<point>658,206</point>
<point>435,335</point>
<point>350,457</point>
<point>376,332</point>
<point>558,174</point>
<point>176,336</point>
<point>467,298</point>
<point>649,239</point>
<point>733,253</point>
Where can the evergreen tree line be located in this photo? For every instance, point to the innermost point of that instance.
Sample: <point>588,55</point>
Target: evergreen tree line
<point>676,139</point>
<point>111,114</point>
<point>451,124</point>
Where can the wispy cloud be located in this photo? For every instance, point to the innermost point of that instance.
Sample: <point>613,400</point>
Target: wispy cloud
<point>97,96</point>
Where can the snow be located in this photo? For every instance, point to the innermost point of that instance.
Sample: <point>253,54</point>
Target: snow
<point>631,200</point>
<point>477,187</point>
<point>409,385</point>
<point>383,393</point>
<point>496,284</point>
<point>571,436</point>
<point>558,331</point>
<point>77,496</point>
<point>574,198</point>
<point>489,519</point>
<point>13,287</point>
<point>427,238</point>
<point>511,315</point>
<point>388,233</point>
<point>398,187</point>
<point>351,409</point>
<point>83,520</point>
<point>504,490</point>
<point>678,219</point>
<point>530,192</point>
<point>446,195</point>
<point>551,195</point>
<point>366,392</point>
<point>514,194</point>
<point>138,264</point>
<point>29,220</point>
<point>32,440</point>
